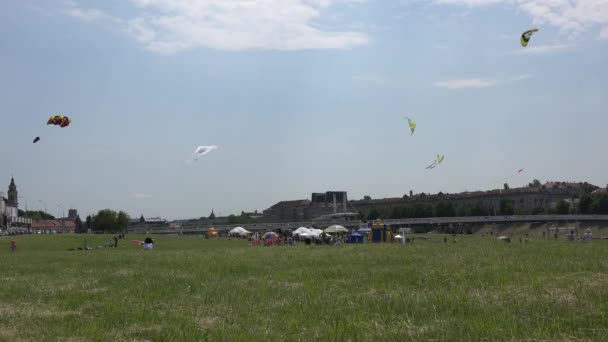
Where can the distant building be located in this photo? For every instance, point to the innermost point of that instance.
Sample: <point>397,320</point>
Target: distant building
<point>155,220</point>
<point>320,204</point>
<point>601,191</point>
<point>54,226</point>
<point>329,197</point>
<point>253,215</point>
<point>11,203</point>
<point>149,222</point>
<point>525,200</point>
<point>287,211</point>
<point>72,214</point>
<point>9,210</point>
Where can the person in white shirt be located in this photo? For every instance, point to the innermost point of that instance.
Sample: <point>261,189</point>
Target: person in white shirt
<point>148,244</point>
<point>588,236</point>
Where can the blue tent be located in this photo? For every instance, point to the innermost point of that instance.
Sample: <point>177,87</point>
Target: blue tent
<point>356,238</point>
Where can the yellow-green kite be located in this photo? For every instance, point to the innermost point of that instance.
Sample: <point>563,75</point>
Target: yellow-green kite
<point>412,124</point>
<point>525,37</point>
<point>438,160</point>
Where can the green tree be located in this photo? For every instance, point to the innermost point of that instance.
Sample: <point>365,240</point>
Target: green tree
<point>396,213</point>
<point>89,222</point>
<point>36,215</point>
<point>506,186</point>
<point>444,209</point>
<point>422,210</point>
<point>538,210</point>
<point>600,204</point>
<point>562,207</point>
<point>462,211</point>
<point>122,221</point>
<point>506,207</point>
<point>373,214</point>
<point>584,204</point>
<point>79,225</point>
<point>105,221</point>
<point>479,209</point>
<point>367,198</point>
<point>241,219</point>
<point>535,184</point>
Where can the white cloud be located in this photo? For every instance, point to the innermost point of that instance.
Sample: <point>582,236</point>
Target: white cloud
<point>520,77</point>
<point>474,83</point>
<point>571,17</point>
<point>541,49</point>
<point>171,26</point>
<point>479,83</point>
<point>141,196</point>
<point>471,3</point>
<point>73,10</point>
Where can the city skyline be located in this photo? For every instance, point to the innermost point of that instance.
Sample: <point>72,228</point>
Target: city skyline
<point>300,96</point>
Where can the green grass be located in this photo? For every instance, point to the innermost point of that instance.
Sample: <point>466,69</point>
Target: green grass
<point>191,289</point>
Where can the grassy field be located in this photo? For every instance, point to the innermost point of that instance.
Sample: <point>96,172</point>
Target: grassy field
<point>191,289</point>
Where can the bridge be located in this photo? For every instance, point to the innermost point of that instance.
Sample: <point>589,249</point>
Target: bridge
<point>410,222</point>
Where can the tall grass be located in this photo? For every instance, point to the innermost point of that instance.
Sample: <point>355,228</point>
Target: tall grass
<point>194,289</point>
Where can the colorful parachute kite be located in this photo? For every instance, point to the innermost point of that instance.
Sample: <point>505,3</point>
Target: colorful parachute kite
<point>36,140</point>
<point>412,124</point>
<point>203,150</point>
<point>525,37</point>
<point>438,160</point>
<point>59,120</point>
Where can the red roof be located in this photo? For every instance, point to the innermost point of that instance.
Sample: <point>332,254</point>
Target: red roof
<point>53,224</point>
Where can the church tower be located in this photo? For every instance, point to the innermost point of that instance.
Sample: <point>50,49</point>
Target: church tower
<point>12,200</point>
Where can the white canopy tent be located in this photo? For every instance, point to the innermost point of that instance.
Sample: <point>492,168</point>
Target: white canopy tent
<point>300,231</point>
<point>240,231</point>
<point>336,229</point>
<point>315,232</point>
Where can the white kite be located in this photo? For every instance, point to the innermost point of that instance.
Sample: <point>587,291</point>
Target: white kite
<point>202,151</point>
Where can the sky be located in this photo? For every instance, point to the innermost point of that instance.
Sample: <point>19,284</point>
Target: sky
<point>301,96</point>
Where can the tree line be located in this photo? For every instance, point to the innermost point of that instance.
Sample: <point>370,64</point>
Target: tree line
<point>587,204</point>
<point>105,221</point>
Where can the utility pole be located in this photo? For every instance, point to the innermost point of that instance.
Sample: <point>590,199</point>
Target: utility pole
<point>41,202</point>
<point>334,203</point>
<point>25,202</point>
<point>63,210</point>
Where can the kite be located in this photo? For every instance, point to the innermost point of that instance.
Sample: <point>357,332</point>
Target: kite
<point>59,120</point>
<point>412,124</point>
<point>203,150</point>
<point>507,178</point>
<point>525,37</point>
<point>36,140</point>
<point>438,160</point>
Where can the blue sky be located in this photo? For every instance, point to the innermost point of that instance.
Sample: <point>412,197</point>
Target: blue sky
<point>300,96</point>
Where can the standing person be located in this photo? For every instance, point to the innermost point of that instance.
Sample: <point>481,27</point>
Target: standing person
<point>13,246</point>
<point>588,236</point>
<point>115,241</point>
<point>571,236</point>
